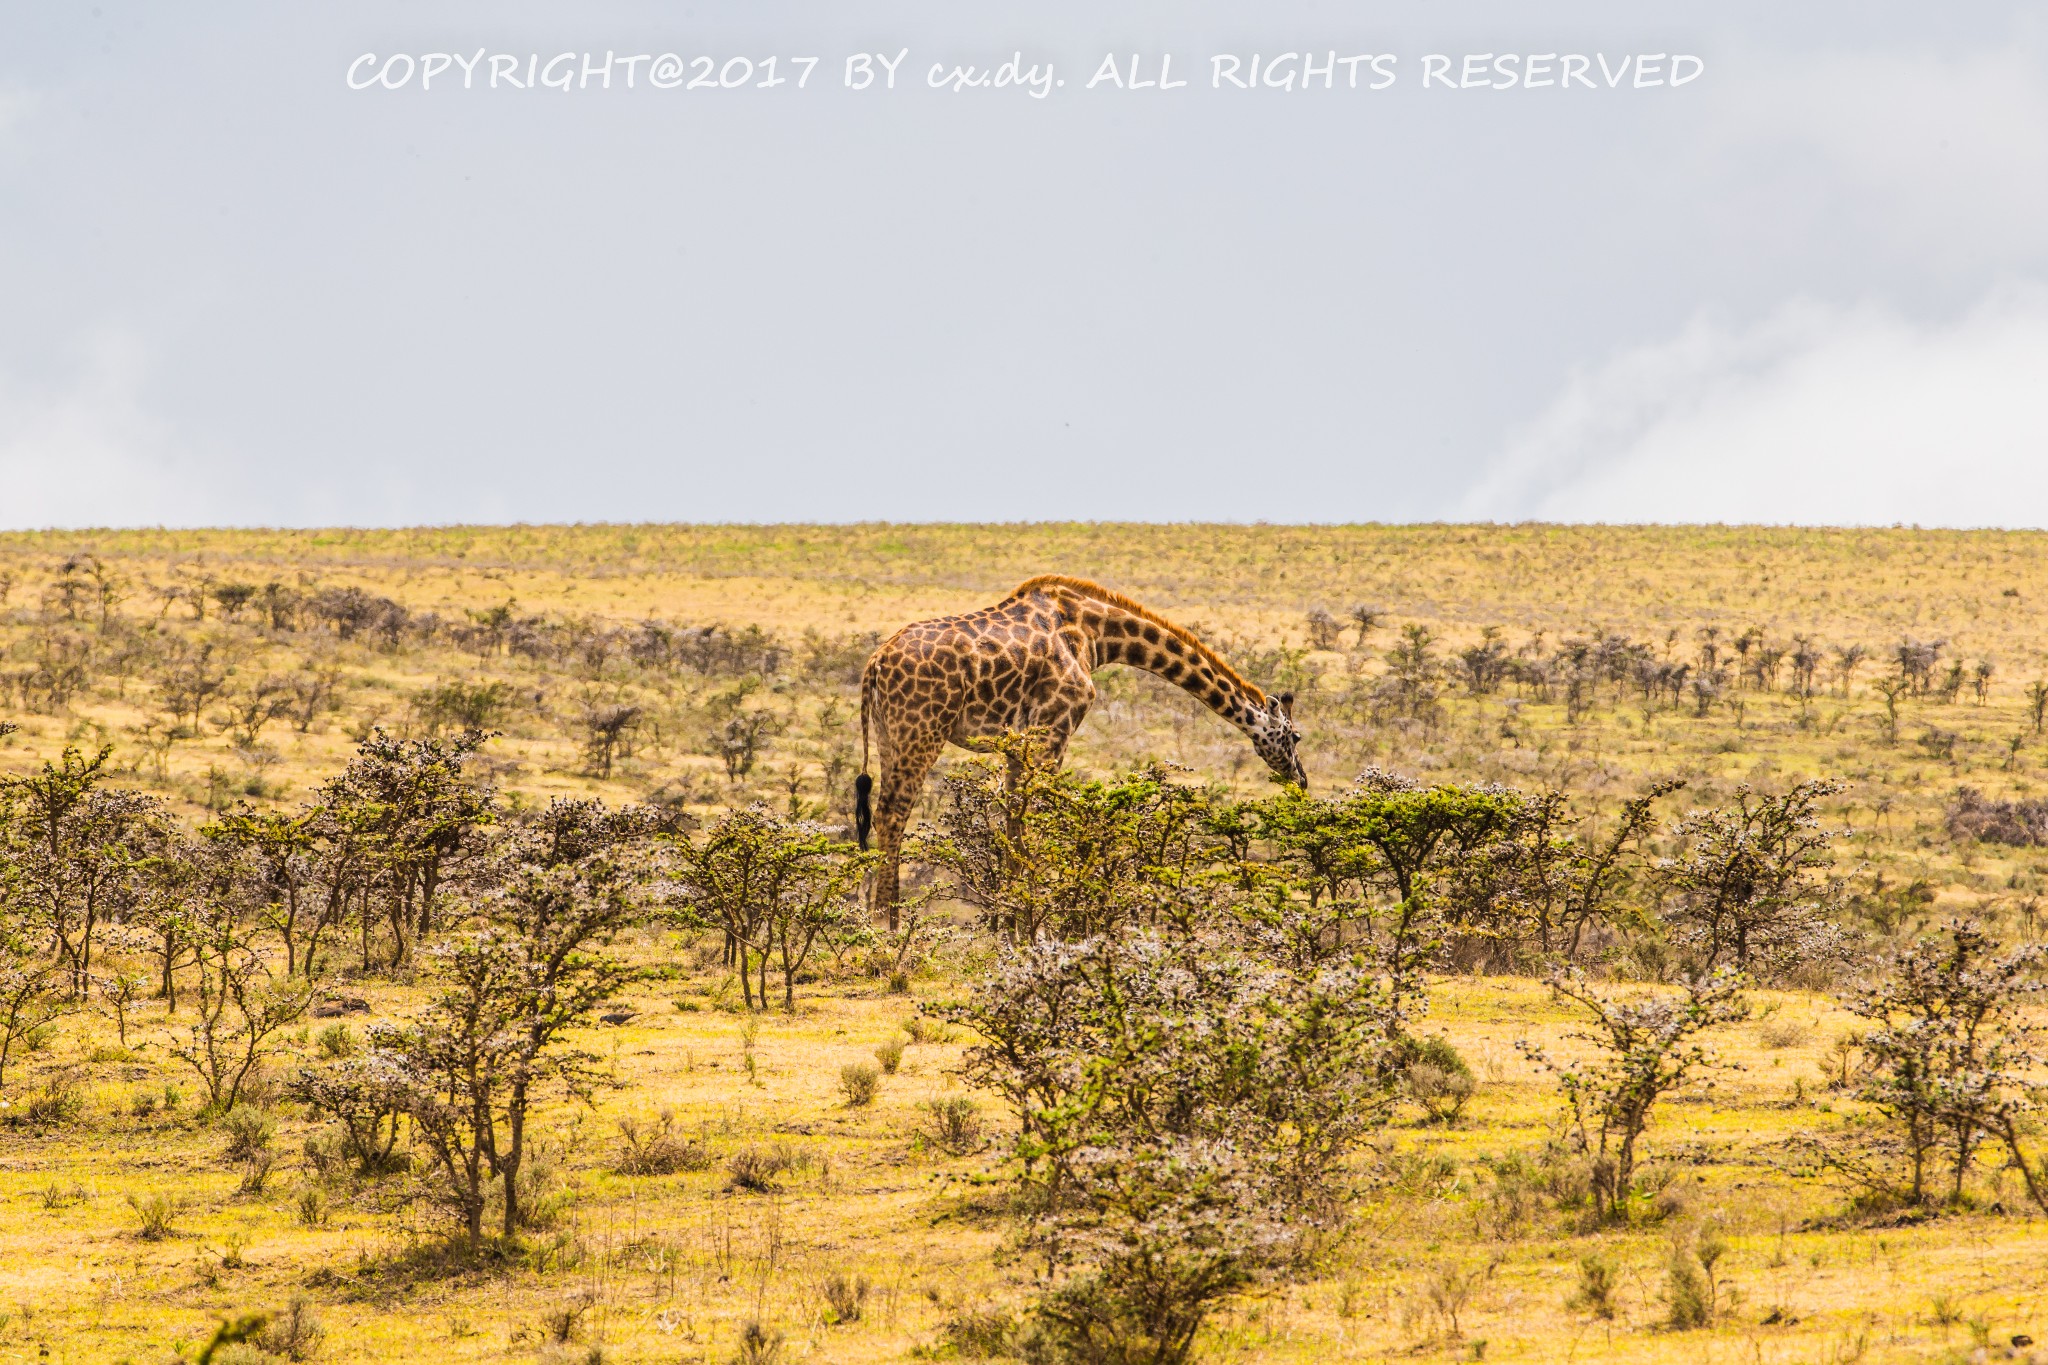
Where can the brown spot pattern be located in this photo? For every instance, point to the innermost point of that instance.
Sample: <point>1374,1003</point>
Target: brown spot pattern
<point>1022,663</point>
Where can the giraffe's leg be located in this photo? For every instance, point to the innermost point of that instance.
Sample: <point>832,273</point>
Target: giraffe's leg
<point>1062,730</point>
<point>1062,714</point>
<point>1014,774</point>
<point>903,774</point>
<point>889,847</point>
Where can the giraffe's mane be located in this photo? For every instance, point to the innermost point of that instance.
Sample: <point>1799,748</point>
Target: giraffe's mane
<point>1110,597</point>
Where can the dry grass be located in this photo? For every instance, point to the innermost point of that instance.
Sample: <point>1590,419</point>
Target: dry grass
<point>672,1266</point>
<point>674,1263</point>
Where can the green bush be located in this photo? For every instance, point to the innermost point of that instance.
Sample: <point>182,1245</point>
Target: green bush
<point>1595,1294</point>
<point>1437,1078</point>
<point>859,1082</point>
<point>981,1330</point>
<point>953,1124</point>
<point>155,1212</point>
<point>756,1169</point>
<point>1190,1109</point>
<point>657,1148</point>
<point>57,1103</point>
<point>1691,1291</point>
<point>337,1041</point>
<point>846,1296</point>
<point>294,1334</point>
<point>249,1131</point>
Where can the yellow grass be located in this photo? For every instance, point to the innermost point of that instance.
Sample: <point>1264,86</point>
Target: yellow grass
<point>670,1267</point>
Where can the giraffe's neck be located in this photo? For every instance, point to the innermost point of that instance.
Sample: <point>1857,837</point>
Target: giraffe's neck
<point>1120,636</point>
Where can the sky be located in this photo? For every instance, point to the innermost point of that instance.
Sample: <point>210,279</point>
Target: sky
<point>1809,285</point>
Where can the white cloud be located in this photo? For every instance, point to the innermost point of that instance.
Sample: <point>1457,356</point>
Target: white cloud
<point>78,450</point>
<point>1947,153</point>
<point>1815,416</point>
<point>15,107</point>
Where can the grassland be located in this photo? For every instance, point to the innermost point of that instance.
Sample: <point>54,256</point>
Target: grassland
<point>665,1268</point>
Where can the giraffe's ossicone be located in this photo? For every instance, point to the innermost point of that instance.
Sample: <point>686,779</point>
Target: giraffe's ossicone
<point>1025,664</point>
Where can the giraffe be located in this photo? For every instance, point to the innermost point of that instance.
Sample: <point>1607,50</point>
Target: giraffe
<point>1021,664</point>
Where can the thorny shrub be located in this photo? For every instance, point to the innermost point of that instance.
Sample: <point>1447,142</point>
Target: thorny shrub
<point>1645,1048</point>
<point>1187,1111</point>
<point>1951,1063</point>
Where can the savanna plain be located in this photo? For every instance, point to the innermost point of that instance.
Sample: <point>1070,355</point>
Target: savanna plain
<point>447,945</point>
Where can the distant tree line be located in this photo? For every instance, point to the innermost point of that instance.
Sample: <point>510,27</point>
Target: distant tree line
<point>78,632</point>
<point>187,655</point>
<point>1711,666</point>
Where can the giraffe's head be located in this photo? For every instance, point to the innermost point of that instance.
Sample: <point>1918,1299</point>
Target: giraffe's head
<point>1274,736</point>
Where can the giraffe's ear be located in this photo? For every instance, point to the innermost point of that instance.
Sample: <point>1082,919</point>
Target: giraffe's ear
<point>1287,705</point>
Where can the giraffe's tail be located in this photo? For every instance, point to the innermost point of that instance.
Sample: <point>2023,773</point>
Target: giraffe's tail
<point>863,786</point>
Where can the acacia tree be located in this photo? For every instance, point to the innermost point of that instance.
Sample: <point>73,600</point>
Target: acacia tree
<point>567,883</point>
<point>343,868</point>
<point>118,992</point>
<point>421,819</point>
<point>1951,1054</point>
<point>314,688</point>
<point>172,888</point>
<point>1646,1048</point>
<point>1389,854</point>
<point>74,845</point>
<point>1313,841</point>
<point>768,883</point>
<point>1419,833</point>
<point>247,708</point>
<point>605,729</point>
<point>1891,688</point>
<point>188,677</point>
<point>831,912</point>
<point>1554,882</point>
<point>564,883</point>
<point>365,1096</point>
<point>1042,852</point>
<point>29,998</point>
<point>1748,890</point>
<point>28,1001</point>
<point>1186,1108</point>
<point>449,1064</point>
<point>240,1008</point>
<point>277,851</point>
